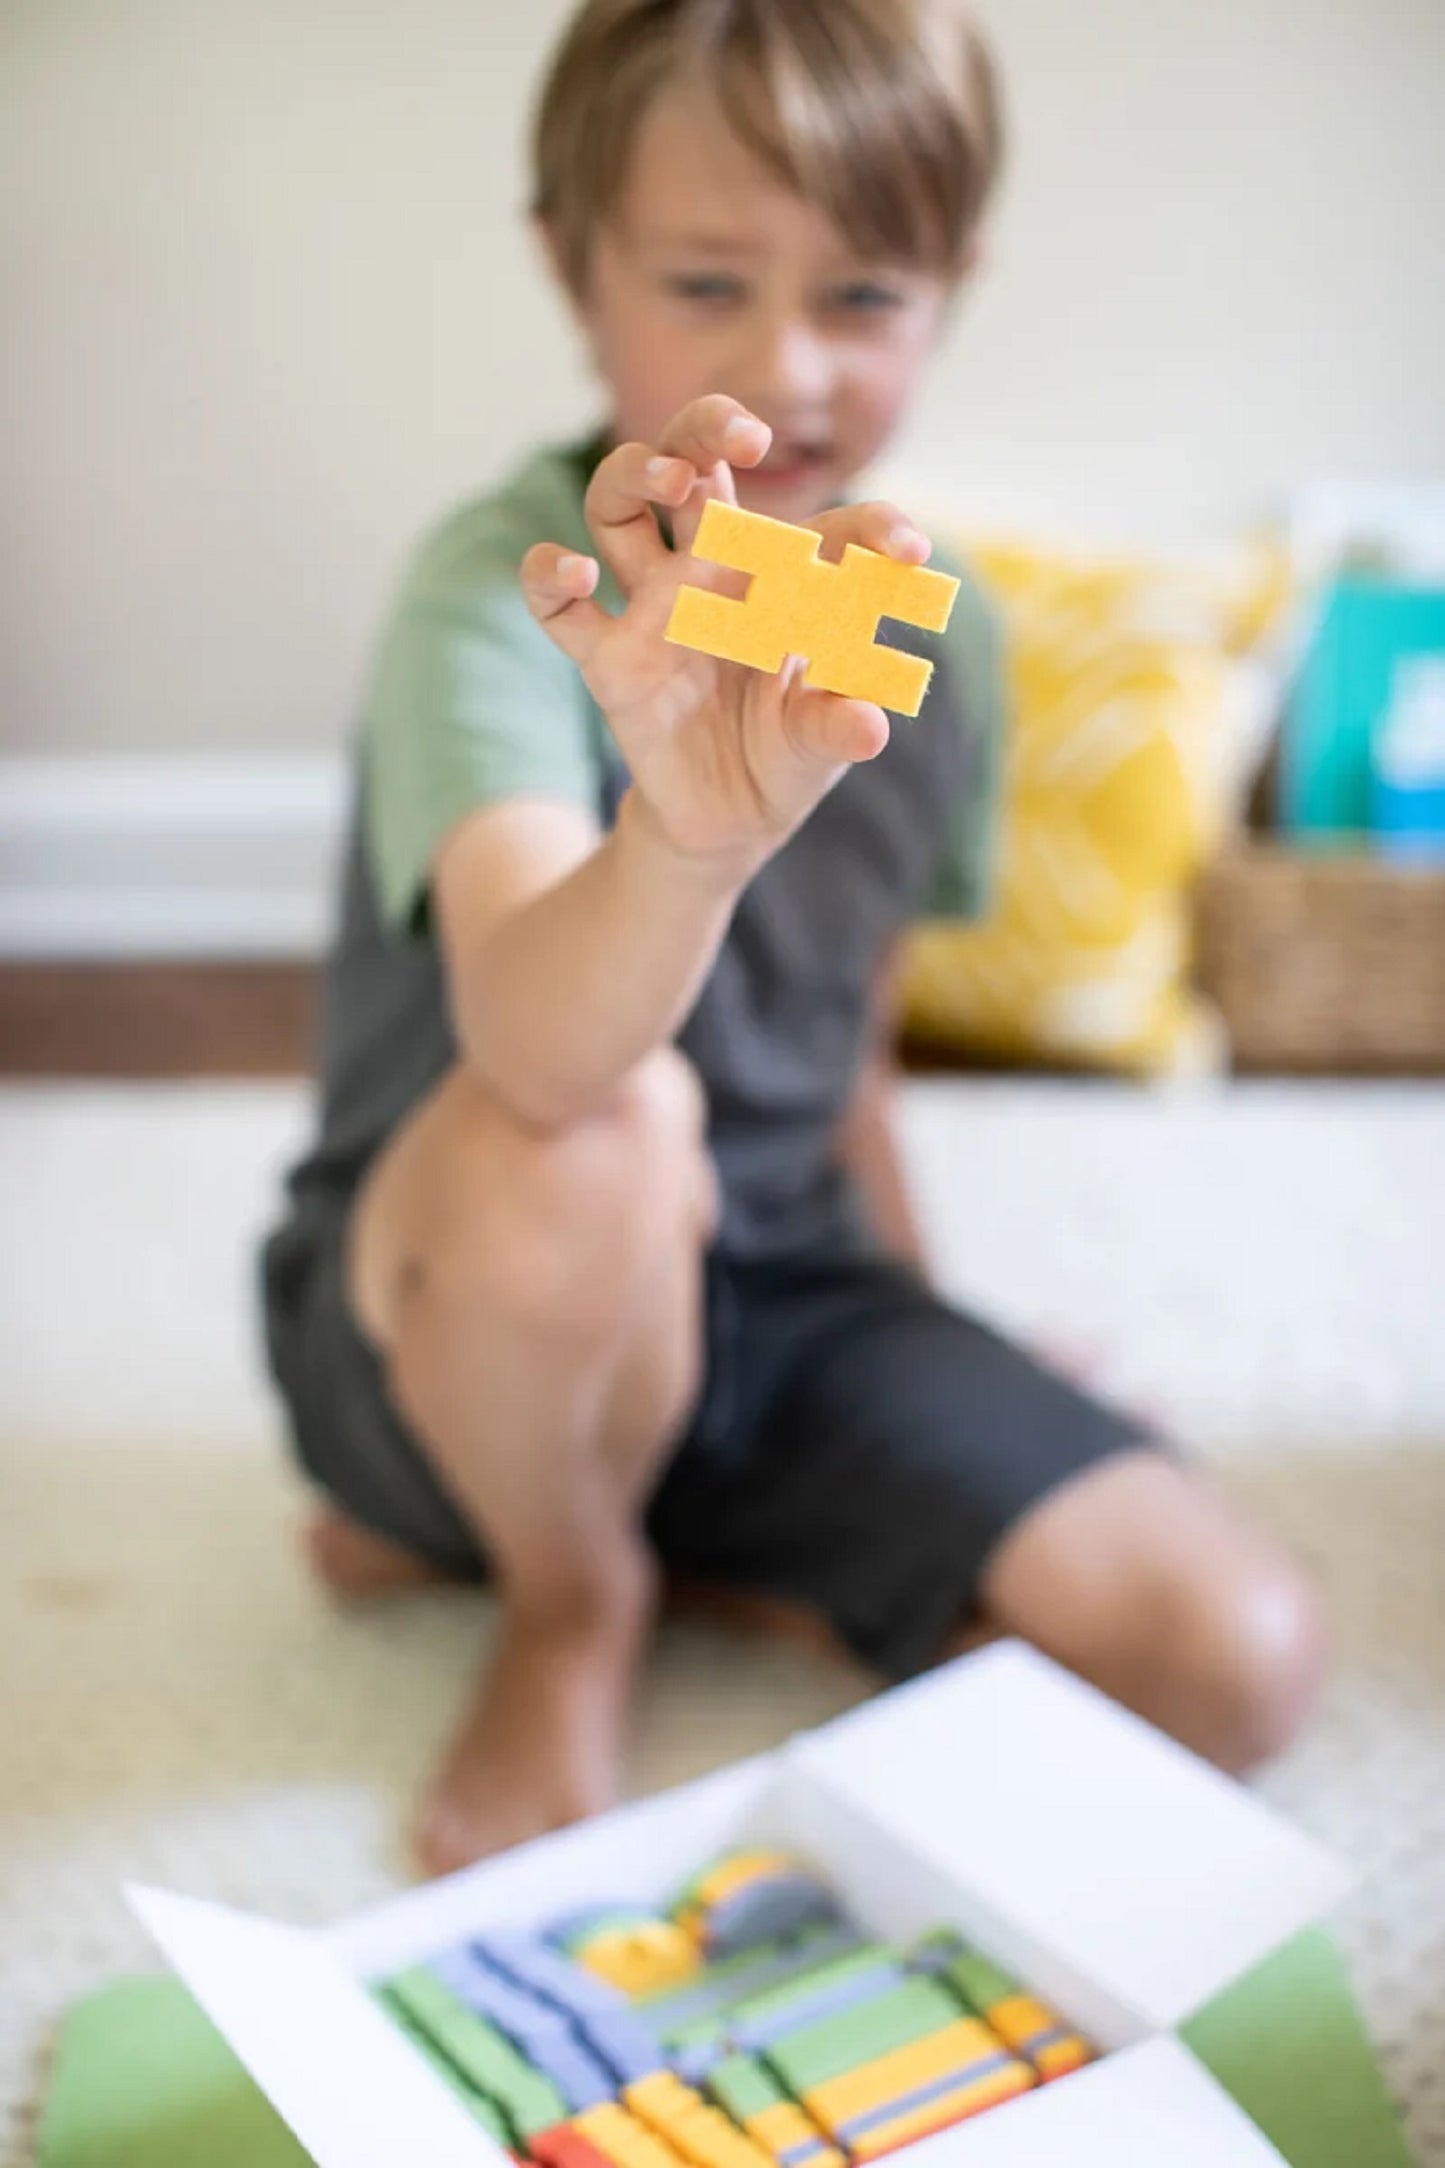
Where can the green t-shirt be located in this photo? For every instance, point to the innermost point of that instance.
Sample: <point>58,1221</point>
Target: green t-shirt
<point>471,703</point>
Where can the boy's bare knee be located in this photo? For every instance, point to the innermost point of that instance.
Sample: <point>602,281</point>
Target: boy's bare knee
<point>1141,1578</point>
<point>551,1232</point>
<point>1251,1650</point>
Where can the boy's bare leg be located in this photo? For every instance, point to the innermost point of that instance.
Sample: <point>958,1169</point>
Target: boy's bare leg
<point>537,1302</point>
<point>1139,1576</point>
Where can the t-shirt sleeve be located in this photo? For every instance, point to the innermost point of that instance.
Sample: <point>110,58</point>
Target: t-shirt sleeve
<point>470,704</point>
<point>963,881</point>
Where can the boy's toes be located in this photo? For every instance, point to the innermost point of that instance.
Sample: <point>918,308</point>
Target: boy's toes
<point>350,1561</point>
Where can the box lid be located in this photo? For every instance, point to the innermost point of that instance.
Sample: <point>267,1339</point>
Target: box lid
<point>352,2087</point>
<point>1132,1862</point>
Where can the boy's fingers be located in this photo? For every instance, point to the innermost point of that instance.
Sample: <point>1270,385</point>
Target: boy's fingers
<point>558,586</point>
<point>688,464</point>
<point>716,428</point>
<point>716,482</point>
<point>623,491</point>
<point>880,527</point>
<point>714,435</point>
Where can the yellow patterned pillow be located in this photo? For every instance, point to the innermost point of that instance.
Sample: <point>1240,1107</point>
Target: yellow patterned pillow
<point>1133,716</point>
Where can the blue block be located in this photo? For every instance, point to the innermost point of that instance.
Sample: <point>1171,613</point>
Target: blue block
<point>714,1992</point>
<point>578,2076</point>
<point>510,2008</point>
<point>627,2049</point>
<point>692,2064</point>
<point>754,2034</point>
<point>768,1911</point>
<point>540,2032</point>
<point>533,1964</point>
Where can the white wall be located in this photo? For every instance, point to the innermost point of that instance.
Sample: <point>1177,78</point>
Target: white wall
<point>269,304</point>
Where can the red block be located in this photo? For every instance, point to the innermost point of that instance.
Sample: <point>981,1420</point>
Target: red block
<point>564,2147</point>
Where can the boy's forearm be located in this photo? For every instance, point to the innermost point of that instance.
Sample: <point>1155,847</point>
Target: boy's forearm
<point>577,986</point>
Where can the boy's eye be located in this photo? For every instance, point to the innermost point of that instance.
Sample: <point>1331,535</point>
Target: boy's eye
<point>705,286</point>
<point>865,297</point>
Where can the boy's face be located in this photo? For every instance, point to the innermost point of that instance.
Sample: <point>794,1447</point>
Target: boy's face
<point>714,277</point>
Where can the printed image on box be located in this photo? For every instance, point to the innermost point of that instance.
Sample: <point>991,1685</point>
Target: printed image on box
<point>754,2026</point>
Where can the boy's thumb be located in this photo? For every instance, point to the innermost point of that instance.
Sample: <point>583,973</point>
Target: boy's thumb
<point>839,732</point>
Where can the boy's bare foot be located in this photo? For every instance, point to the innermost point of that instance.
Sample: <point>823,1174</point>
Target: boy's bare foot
<point>351,1561</point>
<point>540,1745</point>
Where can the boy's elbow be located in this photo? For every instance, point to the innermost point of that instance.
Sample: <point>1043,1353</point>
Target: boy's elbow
<point>534,1102</point>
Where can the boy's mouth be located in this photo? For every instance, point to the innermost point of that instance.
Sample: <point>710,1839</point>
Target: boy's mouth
<point>790,466</point>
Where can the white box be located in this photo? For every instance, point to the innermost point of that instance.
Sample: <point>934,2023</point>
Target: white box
<point>1118,1877</point>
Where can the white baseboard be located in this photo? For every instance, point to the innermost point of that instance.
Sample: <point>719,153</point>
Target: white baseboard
<point>150,856</point>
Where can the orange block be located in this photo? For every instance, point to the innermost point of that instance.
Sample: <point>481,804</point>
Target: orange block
<point>798,605</point>
<point>1053,2048</point>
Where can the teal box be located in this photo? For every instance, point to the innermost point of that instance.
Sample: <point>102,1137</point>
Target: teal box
<point>1342,693</point>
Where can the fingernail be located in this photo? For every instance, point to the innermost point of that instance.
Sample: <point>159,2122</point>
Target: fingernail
<point>661,470</point>
<point>569,567</point>
<point>739,429</point>
<point>903,536</point>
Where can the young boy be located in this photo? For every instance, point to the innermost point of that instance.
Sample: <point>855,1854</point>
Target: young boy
<point>602,1257</point>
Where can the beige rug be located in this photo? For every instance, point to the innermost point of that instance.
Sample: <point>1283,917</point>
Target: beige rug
<point>178,1705</point>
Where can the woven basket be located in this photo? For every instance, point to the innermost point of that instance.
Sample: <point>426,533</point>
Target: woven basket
<point>1325,964</point>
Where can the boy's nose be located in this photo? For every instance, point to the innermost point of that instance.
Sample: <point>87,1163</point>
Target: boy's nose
<point>789,371</point>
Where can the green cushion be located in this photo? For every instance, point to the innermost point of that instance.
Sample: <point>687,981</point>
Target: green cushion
<point>1289,2044</point>
<point>142,2079</point>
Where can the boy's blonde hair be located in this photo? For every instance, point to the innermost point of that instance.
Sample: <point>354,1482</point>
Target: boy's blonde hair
<point>884,113</point>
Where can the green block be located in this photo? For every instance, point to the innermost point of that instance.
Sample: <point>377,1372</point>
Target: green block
<point>484,2111</point>
<point>816,2053</point>
<point>979,1982</point>
<point>775,2000</point>
<point>944,1955</point>
<point>744,2086</point>
<point>702,2032</point>
<point>1288,2043</point>
<point>480,2052</point>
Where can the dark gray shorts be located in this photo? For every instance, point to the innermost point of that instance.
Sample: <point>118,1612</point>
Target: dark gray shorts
<point>860,1446</point>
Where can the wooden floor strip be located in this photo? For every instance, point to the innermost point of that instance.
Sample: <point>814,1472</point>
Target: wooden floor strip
<point>148,1020</point>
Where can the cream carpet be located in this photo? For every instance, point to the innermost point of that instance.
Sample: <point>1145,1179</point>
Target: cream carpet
<point>181,1706</point>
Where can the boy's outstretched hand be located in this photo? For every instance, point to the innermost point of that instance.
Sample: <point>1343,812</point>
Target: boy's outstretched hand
<point>725,761</point>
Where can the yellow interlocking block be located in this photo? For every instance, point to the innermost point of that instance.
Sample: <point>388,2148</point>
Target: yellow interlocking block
<point>1054,2049</point>
<point>970,2097</point>
<point>797,605</point>
<point>702,2135</point>
<point>783,2129</point>
<point>953,2048</point>
<point>644,1959</point>
<point>625,2141</point>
